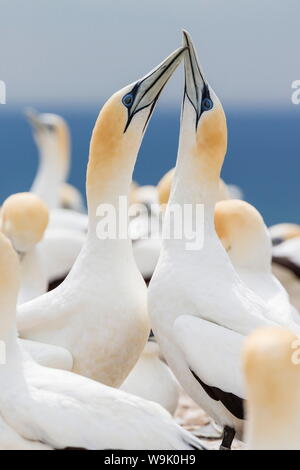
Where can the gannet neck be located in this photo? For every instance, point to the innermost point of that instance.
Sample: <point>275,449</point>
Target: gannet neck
<point>197,174</point>
<point>111,162</point>
<point>9,286</point>
<point>54,159</point>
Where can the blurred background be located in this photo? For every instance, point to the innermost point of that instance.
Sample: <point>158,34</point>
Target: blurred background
<point>69,56</point>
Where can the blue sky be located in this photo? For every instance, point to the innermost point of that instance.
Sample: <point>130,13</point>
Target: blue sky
<point>80,51</point>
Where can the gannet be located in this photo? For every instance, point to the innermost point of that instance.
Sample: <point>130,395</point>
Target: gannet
<point>272,377</point>
<point>24,219</point>
<point>62,410</point>
<point>99,313</point>
<point>152,379</point>
<point>193,291</point>
<point>246,239</point>
<point>51,135</point>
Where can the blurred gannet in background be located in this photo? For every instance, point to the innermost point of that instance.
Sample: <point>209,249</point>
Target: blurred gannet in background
<point>152,379</point>
<point>99,313</point>
<point>195,294</point>
<point>282,232</point>
<point>272,375</point>
<point>61,410</point>
<point>24,219</point>
<point>52,137</point>
<point>246,239</point>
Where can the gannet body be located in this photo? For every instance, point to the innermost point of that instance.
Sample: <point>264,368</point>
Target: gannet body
<point>272,377</point>
<point>190,286</point>
<point>99,313</point>
<point>152,379</point>
<point>24,219</point>
<point>11,440</point>
<point>59,409</point>
<point>245,237</point>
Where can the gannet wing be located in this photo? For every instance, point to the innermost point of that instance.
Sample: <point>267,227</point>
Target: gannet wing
<point>213,355</point>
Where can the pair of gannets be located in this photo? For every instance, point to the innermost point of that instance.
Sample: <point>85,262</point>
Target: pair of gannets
<point>200,308</point>
<point>99,313</point>
<point>44,408</point>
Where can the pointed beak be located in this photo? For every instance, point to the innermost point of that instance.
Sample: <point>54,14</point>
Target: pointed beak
<point>147,90</point>
<point>195,84</point>
<point>33,118</point>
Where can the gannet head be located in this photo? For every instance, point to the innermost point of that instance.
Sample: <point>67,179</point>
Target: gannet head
<point>121,124</point>
<point>203,127</point>
<point>24,219</point>
<point>51,134</point>
<point>272,375</point>
<point>243,234</point>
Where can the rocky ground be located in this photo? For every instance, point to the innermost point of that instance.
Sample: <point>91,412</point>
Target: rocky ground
<point>191,417</point>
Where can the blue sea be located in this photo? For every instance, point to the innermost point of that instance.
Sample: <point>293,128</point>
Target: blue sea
<point>263,155</point>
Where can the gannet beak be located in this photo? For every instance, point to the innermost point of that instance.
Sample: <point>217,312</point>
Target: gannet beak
<point>147,90</point>
<point>33,117</point>
<point>196,87</point>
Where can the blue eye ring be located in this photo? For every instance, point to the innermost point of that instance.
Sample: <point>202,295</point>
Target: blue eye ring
<point>207,104</point>
<point>127,100</point>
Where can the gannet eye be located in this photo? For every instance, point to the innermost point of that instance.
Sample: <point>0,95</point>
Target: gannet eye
<point>207,104</point>
<point>50,127</point>
<point>127,100</point>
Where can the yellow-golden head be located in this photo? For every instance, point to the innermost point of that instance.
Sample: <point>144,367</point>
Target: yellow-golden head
<point>24,219</point>
<point>271,363</point>
<point>243,233</point>
<point>120,127</point>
